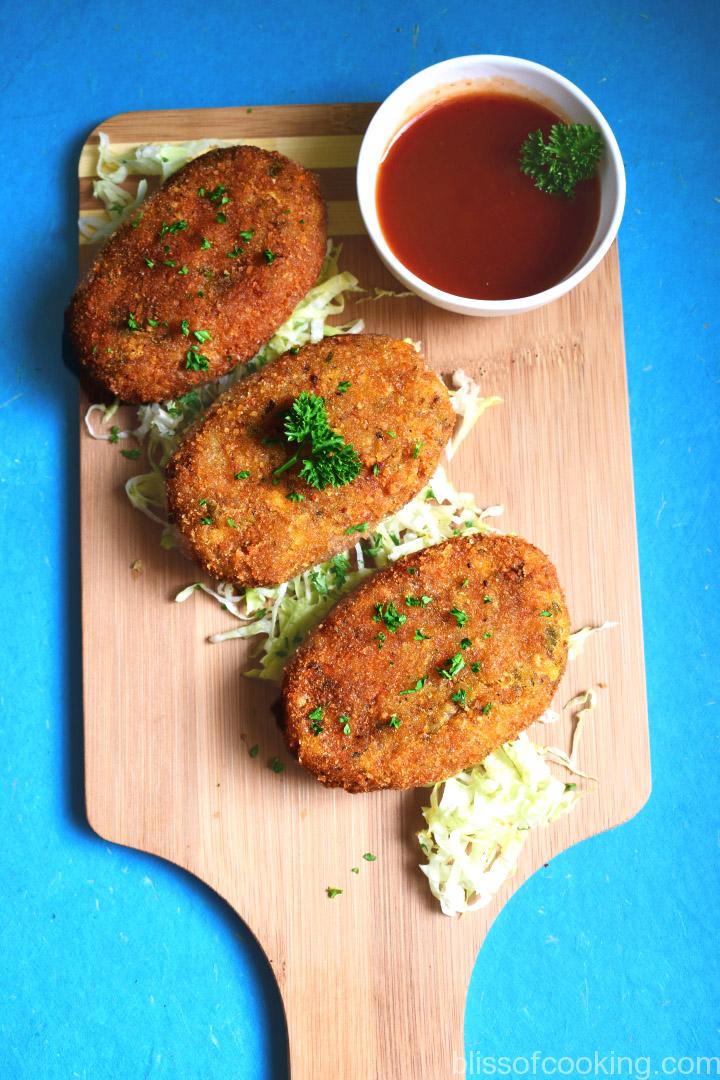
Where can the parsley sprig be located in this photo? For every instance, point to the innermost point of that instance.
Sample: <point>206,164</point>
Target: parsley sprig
<point>326,459</point>
<point>570,155</point>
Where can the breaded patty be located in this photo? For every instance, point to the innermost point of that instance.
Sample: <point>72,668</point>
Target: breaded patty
<point>210,265</point>
<point>429,666</point>
<point>245,525</point>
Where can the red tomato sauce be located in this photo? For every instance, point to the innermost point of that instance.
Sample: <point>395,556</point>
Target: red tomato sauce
<point>456,210</point>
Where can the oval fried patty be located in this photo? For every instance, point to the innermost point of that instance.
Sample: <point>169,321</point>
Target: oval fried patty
<point>429,666</point>
<point>245,525</point>
<point>208,268</point>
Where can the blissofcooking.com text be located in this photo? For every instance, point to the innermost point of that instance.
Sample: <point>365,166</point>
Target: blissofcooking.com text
<point>476,1063</point>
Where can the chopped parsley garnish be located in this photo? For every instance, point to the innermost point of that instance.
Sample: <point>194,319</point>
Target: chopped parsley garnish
<point>486,708</point>
<point>205,244</point>
<point>570,155</point>
<point>221,218</point>
<point>546,614</point>
<point>131,455</point>
<point>465,643</point>
<point>332,893</point>
<point>183,270</point>
<point>153,322</point>
<point>236,252</point>
<point>360,528</point>
<point>475,667</point>
<point>149,263</point>
<point>315,717</point>
<point>453,665</point>
<point>247,234</point>
<point>343,387</point>
<point>419,636</point>
<point>460,616</point>
<point>231,523</point>
<point>339,566</point>
<point>206,521</point>
<point>414,601</point>
<point>390,616</point>
<point>394,722</point>
<point>276,765</point>
<point>177,226</point>
<point>202,336</point>
<point>195,361</point>
<point>487,600</point>
<point>254,750</point>
<point>242,475</point>
<point>269,256</point>
<point>416,449</point>
<point>345,721</point>
<point>418,686</point>
<point>354,869</point>
<point>295,496</point>
<point>460,698</point>
<point>169,262</point>
<point>114,435</point>
<point>571,787</point>
<point>487,634</point>
<point>369,857</point>
<point>464,583</point>
<point>326,459</point>
<point>375,469</point>
<point>381,639</point>
<point>132,323</point>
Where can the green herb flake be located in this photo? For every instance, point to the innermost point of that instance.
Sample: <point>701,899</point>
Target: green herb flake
<point>195,361</point>
<point>487,599</point>
<point>295,496</point>
<point>344,720</point>
<point>361,528</point>
<point>381,639</point>
<point>376,469</point>
<point>414,601</point>
<point>231,523</point>
<point>390,616</point>
<point>221,218</point>
<point>332,892</point>
<point>460,616</point>
<point>247,234</point>
<point>269,256</point>
<point>369,857</point>
<point>394,722</point>
<point>571,787</point>
<point>343,387</point>
<point>114,435</point>
<point>254,751</point>
<point>475,667</point>
<point>416,449</point>
<point>417,687</point>
<point>132,323</point>
<point>546,614</point>
<point>149,263</point>
<point>465,643</point>
<point>460,698</point>
<point>131,455</point>
<point>153,323</point>
<point>487,634</point>
<point>202,336</point>
<point>183,270</point>
<point>486,708</point>
<point>175,227</point>
<point>354,869</point>
<point>206,521</point>
<point>453,666</point>
<point>276,765</point>
<point>242,475</point>
<point>419,636</point>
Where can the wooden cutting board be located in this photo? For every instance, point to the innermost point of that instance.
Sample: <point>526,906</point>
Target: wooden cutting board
<point>373,981</point>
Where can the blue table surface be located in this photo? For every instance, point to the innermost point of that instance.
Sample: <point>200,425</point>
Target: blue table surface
<point>114,964</point>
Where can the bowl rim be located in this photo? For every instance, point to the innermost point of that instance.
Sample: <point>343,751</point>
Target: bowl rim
<point>366,186</point>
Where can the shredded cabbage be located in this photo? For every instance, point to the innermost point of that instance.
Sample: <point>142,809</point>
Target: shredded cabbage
<point>113,169</point>
<point>478,821</point>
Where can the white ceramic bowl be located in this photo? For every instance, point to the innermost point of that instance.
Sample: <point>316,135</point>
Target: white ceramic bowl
<point>511,74</point>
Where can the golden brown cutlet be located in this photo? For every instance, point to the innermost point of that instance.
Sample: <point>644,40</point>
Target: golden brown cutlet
<point>211,264</point>
<point>428,667</point>
<point>237,520</point>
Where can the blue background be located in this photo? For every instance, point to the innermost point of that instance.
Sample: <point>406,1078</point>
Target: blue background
<point>113,964</point>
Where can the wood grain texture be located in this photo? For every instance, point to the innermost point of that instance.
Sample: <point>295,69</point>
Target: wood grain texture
<point>169,718</point>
